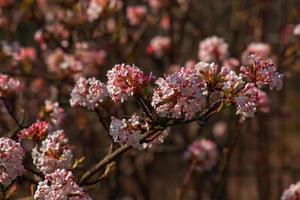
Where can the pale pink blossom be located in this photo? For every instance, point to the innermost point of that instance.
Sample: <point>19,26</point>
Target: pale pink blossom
<point>11,157</point>
<point>126,80</point>
<point>63,64</point>
<point>296,30</point>
<point>259,49</point>
<point>246,101</point>
<point>54,153</point>
<point>8,85</point>
<point>219,129</point>
<point>263,73</point>
<point>157,4</point>
<point>203,154</point>
<point>212,49</point>
<point>96,7</point>
<point>159,46</point>
<point>136,14</point>
<point>179,95</point>
<point>60,185</point>
<point>128,131</point>
<point>36,132</point>
<point>292,192</point>
<point>89,93</point>
<point>263,102</point>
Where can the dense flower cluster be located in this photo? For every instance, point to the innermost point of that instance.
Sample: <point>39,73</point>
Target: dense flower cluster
<point>296,30</point>
<point>263,73</point>
<point>292,193</point>
<point>52,113</point>
<point>60,185</point>
<point>212,49</point>
<point>136,14</point>
<point>246,101</point>
<point>125,80</point>
<point>128,131</point>
<point>159,46</point>
<point>88,93</point>
<point>11,156</point>
<point>8,85</point>
<point>35,132</point>
<point>53,153</point>
<point>203,153</point>
<point>180,94</point>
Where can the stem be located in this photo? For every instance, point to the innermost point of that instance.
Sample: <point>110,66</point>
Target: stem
<point>109,158</point>
<point>11,113</point>
<point>101,119</point>
<point>228,155</point>
<point>187,178</point>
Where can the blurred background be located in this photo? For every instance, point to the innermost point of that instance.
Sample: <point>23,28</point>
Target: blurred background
<point>49,44</point>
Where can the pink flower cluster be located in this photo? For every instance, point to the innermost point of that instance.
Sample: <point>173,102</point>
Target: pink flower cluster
<point>296,30</point>
<point>159,46</point>
<point>60,185</point>
<point>180,95</point>
<point>53,153</point>
<point>203,154</point>
<point>212,49</point>
<point>292,193</point>
<point>136,14</point>
<point>35,132</point>
<point>128,131</point>
<point>125,80</point>
<point>8,85</point>
<point>11,157</point>
<point>88,93</point>
<point>259,49</point>
<point>263,73</point>
<point>246,101</point>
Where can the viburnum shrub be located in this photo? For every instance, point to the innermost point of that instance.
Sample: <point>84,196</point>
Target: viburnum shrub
<point>41,87</point>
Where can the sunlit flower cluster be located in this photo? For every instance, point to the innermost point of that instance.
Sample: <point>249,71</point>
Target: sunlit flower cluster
<point>125,80</point>
<point>296,30</point>
<point>11,156</point>
<point>53,153</point>
<point>212,49</point>
<point>35,132</point>
<point>60,185</point>
<point>203,154</point>
<point>179,95</point>
<point>88,93</point>
<point>159,46</point>
<point>128,131</point>
<point>292,193</point>
<point>8,85</point>
<point>96,7</point>
<point>263,73</point>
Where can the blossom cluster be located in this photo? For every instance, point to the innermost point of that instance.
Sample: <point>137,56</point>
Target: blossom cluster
<point>54,153</point>
<point>60,185</point>
<point>128,131</point>
<point>52,113</point>
<point>292,193</point>
<point>125,80</point>
<point>88,93</point>
<point>8,85</point>
<point>179,95</point>
<point>203,154</point>
<point>212,49</point>
<point>11,157</point>
<point>36,132</point>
